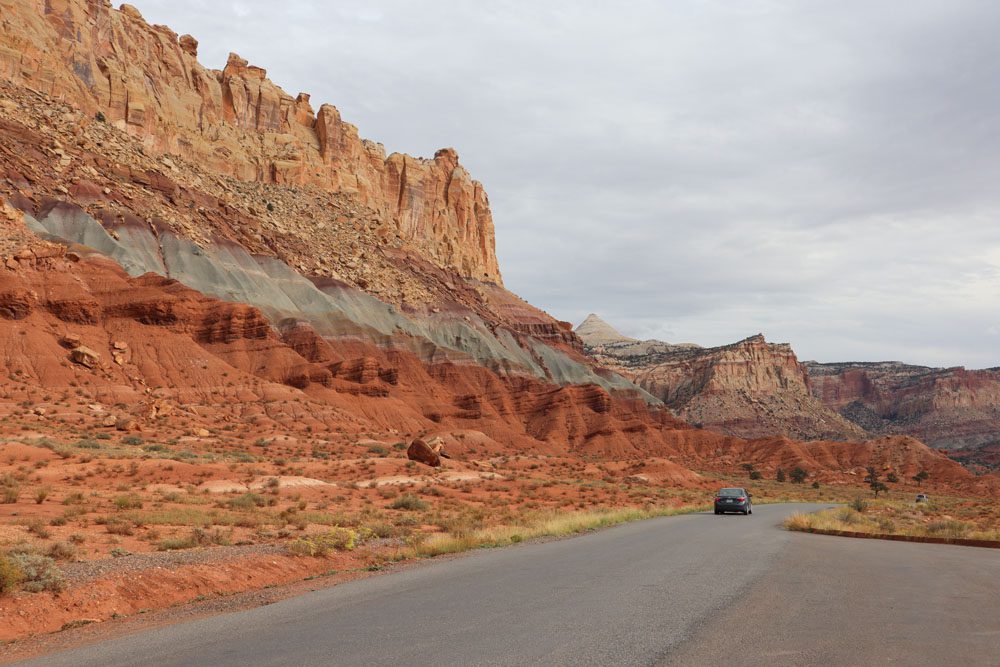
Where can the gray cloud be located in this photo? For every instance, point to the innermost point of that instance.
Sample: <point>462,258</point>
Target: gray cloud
<point>699,170</point>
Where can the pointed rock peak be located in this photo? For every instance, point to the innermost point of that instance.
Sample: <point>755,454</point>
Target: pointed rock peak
<point>595,331</point>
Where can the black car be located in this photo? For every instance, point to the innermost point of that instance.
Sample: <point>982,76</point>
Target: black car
<point>733,500</point>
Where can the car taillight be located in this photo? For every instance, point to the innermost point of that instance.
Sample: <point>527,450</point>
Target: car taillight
<point>740,500</point>
<point>718,500</point>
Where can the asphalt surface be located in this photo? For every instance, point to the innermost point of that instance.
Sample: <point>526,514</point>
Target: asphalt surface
<point>688,590</point>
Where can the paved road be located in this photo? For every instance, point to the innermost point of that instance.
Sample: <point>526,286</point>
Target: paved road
<point>689,590</point>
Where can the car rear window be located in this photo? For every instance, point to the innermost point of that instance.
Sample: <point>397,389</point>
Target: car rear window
<point>731,492</point>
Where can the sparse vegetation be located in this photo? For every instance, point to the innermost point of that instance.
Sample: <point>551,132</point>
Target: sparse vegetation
<point>408,502</point>
<point>338,539</point>
<point>895,517</point>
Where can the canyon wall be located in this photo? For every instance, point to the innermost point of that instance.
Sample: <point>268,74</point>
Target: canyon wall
<point>147,81</point>
<point>951,408</point>
<point>751,388</point>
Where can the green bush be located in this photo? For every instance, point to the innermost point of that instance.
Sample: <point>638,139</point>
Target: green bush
<point>780,475</point>
<point>859,504</point>
<point>40,573</point>
<point>798,475</point>
<point>408,502</point>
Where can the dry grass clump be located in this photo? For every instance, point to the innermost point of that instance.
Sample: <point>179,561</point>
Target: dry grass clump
<point>198,537</point>
<point>11,574</point>
<point>543,524</point>
<point>895,518</point>
<point>338,539</point>
<point>10,489</point>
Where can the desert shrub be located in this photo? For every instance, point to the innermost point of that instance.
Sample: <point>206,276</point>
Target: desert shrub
<point>891,477</point>
<point>859,504</point>
<point>798,475</point>
<point>10,489</point>
<point>100,117</point>
<point>408,502</point>
<point>119,526</point>
<point>755,474</point>
<point>40,573</point>
<point>383,530</point>
<point>338,539</point>
<point>247,501</point>
<point>62,551</point>
<point>198,537</point>
<point>74,498</point>
<point>38,528</point>
<point>921,476</point>
<point>87,443</point>
<point>780,475</point>
<point>132,440</point>
<point>815,485</point>
<point>11,574</point>
<point>388,492</point>
<point>128,502</point>
<point>378,450</point>
<point>41,494</point>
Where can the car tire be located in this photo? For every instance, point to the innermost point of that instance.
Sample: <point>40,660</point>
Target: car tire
<point>717,512</point>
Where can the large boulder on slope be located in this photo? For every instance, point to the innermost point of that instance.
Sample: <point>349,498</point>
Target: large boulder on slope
<point>421,452</point>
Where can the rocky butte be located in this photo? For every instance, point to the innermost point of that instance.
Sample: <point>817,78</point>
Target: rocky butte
<point>753,388</point>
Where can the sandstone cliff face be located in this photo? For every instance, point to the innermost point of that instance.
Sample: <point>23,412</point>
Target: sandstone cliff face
<point>952,408</point>
<point>751,388</point>
<point>147,81</point>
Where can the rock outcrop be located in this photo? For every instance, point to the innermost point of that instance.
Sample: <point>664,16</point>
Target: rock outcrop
<point>951,408</point>
<point>751,388</point>
<point>148,82</point>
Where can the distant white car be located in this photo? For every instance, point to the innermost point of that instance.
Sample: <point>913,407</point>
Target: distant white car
<point>922,498</point>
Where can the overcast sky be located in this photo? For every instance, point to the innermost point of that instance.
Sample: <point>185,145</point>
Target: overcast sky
<point>824,172</point>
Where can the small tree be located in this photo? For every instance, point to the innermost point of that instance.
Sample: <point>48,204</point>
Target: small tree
<point>921,476</point>
<point>755,474</point>
<point>815,485</point>
<point>891,477</point>
<point>799,475</point>
<point>780,475</point>
<point>874,482</point>
<point>747,466</point>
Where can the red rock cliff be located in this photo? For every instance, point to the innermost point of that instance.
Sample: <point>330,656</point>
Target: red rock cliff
<point>148,81</point>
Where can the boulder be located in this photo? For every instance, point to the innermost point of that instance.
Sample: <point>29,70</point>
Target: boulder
<point>85,356</point>
<point>421,452</point>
